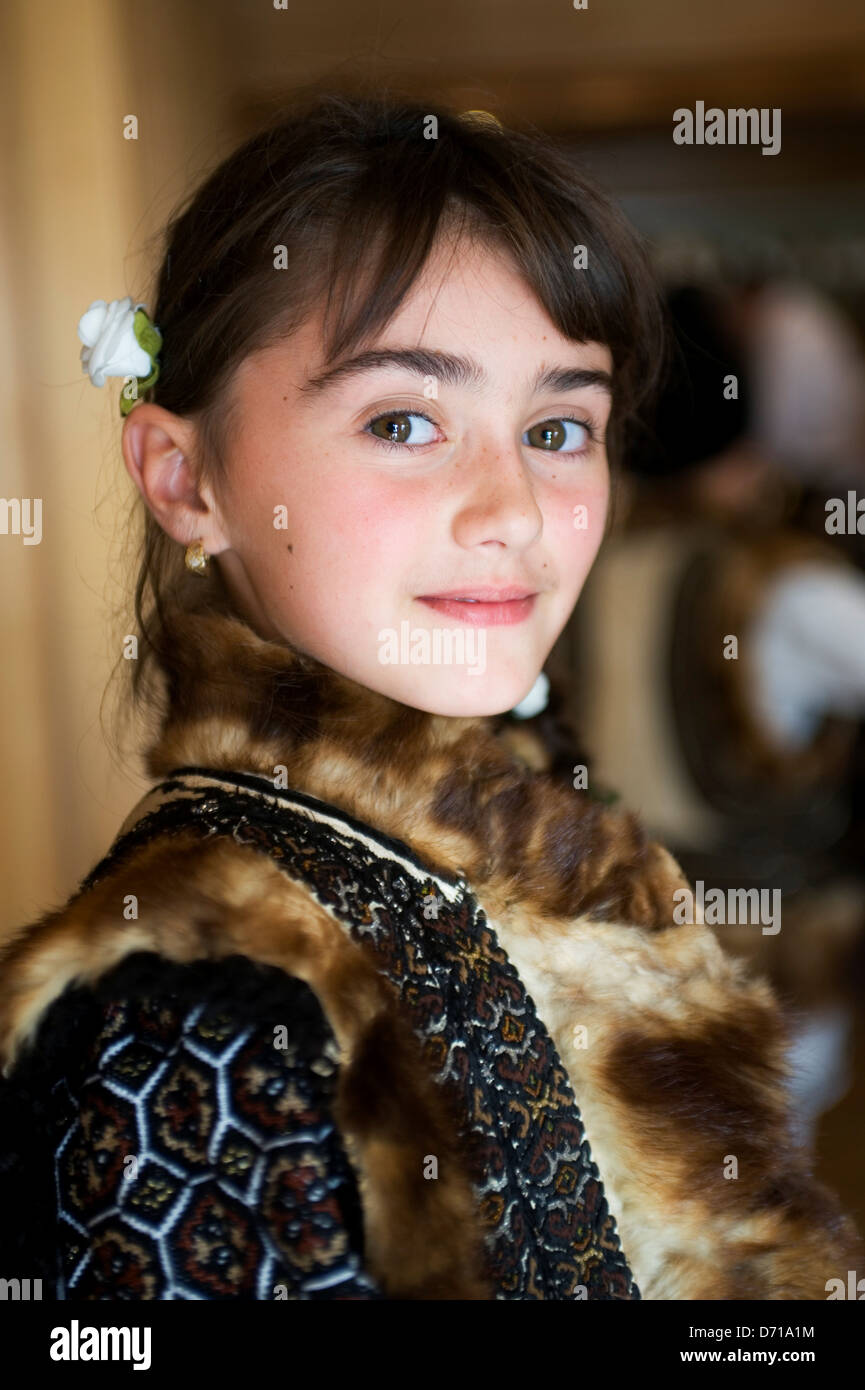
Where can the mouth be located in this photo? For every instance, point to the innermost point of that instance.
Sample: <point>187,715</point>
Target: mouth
<point>483,607</point>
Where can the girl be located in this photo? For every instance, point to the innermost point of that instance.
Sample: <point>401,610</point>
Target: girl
<point>358,1005</point>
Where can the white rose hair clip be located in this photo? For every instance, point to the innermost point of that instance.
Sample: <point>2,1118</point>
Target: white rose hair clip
<point>120,340</point>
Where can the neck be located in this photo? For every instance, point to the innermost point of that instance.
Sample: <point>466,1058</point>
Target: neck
<point>239,701</point>
<point>448,787</point>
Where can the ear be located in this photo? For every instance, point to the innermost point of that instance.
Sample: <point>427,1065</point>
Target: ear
<point>159,450</point>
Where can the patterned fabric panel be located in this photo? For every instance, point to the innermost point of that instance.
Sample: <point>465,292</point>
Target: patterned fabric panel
<point>540,1198</point>
<point>197,1157</point>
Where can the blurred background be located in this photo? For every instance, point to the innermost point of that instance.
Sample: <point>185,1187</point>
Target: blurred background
<point>749,765</point>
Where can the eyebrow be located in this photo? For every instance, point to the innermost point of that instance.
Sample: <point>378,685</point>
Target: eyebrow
<point>452,369</point>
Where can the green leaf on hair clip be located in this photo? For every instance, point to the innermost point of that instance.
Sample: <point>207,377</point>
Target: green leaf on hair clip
<point>148,336</point>
<point>134,388</point>
<point>146,333</point>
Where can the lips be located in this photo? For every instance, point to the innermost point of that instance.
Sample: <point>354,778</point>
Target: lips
<point>484,594</point>
<point>484,607</point>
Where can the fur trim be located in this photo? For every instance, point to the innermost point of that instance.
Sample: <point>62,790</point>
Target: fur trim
<point>680,1066</point>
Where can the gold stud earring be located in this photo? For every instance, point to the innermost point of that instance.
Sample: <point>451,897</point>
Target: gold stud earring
<point>196,558</point>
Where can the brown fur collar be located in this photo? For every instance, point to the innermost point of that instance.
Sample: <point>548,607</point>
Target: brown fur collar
<point>674,1053</point>
<point>446,786</point>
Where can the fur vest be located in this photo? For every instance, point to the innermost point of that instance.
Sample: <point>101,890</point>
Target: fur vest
<point>359,1005</point>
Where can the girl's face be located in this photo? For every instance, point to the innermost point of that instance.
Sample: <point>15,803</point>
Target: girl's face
<point>460,454</point>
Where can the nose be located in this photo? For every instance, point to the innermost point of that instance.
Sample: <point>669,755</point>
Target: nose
<point>499,504</point>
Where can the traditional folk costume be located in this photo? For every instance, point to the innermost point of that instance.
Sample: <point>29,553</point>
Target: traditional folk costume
<point>359,1006</point>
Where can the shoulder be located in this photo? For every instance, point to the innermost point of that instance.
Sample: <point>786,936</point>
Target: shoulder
<point>186,897</point>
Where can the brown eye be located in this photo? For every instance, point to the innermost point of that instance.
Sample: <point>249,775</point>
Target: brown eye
<point>407,427</point>
<point>554,435</point>
<point>395,428</point>
<point>549,435</point>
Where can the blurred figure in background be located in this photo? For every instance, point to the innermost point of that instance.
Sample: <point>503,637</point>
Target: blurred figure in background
<point>806,369</point>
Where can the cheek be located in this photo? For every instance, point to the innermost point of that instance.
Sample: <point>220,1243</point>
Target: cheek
<point>346,530</point>
<point>574,523</point>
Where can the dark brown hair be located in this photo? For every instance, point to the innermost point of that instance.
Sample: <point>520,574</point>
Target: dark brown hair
<point>357,190</point>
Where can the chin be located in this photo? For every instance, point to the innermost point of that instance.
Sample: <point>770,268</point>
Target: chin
<point>467,696</point>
